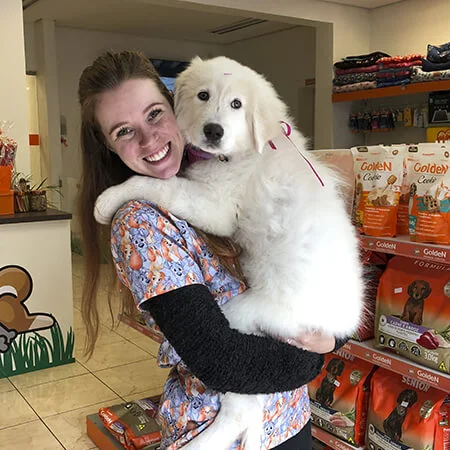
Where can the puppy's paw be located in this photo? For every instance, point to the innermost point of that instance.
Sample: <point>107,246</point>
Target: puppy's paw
<point>105,206</point>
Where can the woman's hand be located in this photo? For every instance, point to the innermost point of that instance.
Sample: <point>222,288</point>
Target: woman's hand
<point>316,341</point>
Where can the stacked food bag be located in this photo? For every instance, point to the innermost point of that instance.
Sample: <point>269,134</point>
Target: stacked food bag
<point>8,148</point>
<point>402,189</point>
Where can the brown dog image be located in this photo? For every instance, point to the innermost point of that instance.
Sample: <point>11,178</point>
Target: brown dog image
<point>15,288</point>
<point>325,394</point>
<point>393,424</point>
<point>418,291</point>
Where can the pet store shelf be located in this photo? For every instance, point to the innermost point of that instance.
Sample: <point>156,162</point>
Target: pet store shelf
<point>403,246</point>
<point>332,441</point>
<point>141,328</point>
<point>393,91</point>
<point>395,363</point>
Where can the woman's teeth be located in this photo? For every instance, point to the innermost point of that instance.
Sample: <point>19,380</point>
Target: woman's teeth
<point>158,156</point>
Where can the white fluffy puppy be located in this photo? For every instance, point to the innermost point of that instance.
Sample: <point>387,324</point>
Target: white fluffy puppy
<point>300,250</point>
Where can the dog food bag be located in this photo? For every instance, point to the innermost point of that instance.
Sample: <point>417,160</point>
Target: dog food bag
<point>339,396</point>
<point>373,267</point>
<point>133,424</point>
<point>413,311</point>
<point>429,180</point>
<point>378,179</point>
<point>406,414</point>
<point>406,193</point>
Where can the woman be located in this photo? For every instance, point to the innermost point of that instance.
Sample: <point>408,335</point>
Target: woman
<point>176,274</point>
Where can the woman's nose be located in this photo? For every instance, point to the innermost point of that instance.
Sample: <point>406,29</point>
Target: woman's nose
<point>147,136</point>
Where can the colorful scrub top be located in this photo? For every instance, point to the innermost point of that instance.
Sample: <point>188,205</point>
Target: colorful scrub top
<point>155,252</point>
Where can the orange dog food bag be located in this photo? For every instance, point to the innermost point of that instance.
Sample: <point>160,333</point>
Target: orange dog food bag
<point>406,414</point>
<point>339,396</point>
<point>378,173</point>
<point>429,178</point>
<point>413,311</point>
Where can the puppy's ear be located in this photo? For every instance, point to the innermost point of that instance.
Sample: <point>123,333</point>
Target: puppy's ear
<point>265,114</point>
<point>196,59</point>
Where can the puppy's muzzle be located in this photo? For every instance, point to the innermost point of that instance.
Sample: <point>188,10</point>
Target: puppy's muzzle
<point>213,133</point>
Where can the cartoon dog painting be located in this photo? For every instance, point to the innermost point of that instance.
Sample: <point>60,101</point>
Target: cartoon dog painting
<point>16,286</point>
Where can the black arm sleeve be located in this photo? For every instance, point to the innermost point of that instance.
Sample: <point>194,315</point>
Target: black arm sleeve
<point>223,358</point>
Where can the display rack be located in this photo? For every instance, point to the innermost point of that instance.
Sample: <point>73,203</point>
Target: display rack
<point>393,91</point>
<point>331,440</point>
<point>403,246</point>
<point>391,361</point>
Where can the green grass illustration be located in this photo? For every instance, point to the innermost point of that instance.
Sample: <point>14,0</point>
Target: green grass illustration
<point>33,351</point>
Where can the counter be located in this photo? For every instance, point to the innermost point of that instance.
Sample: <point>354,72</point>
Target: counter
<point>36,302</point>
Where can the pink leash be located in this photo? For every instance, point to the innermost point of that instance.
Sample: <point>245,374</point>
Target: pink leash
<point>287,131</point>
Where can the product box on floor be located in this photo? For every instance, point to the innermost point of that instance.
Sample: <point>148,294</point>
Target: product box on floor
<point>132,424</point>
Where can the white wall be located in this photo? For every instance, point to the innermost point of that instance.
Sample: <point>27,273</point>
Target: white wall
<point>267,55</point>
<point>408,26</point>
<point>76,49</point>
<point>351,25</point>
<point>13,94</point>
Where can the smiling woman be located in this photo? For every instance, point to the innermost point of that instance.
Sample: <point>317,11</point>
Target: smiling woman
<point>176,275</point>
<point>140,127</point>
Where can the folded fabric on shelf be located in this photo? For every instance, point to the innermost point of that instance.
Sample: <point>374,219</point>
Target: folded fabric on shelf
<point>354,78</point>
<point>429,66</point>
<point>394,65</point>
<point>399,59</point>
<point>393,82</point>
<point>438,53</point>
<point>355,87</point>
<point>367,69</point>
<point>419,76</point>
<point>386,74</point>
<point>350,62</point>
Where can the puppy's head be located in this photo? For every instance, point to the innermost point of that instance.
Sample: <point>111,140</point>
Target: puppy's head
<point>419,289</point>
<point>405,400</point>
<point>226,108</point>
<point>335,367</point>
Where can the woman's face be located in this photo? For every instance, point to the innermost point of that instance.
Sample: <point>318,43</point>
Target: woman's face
<point>139,125</point>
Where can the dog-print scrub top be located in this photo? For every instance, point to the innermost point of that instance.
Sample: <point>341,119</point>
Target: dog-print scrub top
<point>155,252</point>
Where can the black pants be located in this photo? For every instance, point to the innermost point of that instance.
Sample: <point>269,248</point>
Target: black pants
<point>301,441</point>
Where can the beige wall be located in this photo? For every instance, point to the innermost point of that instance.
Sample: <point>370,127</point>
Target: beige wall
<point>408,26</point>
<point>13,94</point>
<point>267,55</point>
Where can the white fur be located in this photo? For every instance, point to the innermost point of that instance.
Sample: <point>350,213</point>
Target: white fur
<point>300,250</point>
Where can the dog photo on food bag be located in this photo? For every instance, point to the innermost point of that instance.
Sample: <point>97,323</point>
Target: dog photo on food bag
<point>276,200</point>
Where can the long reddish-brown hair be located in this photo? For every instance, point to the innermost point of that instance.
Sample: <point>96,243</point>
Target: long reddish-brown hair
<point>101,168</point>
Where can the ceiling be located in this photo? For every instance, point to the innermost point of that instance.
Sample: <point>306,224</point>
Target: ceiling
<point>154,20</point>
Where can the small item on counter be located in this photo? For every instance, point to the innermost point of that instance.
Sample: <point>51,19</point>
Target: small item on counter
<point>8,146</point>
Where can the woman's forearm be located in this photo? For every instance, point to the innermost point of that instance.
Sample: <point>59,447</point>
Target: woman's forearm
<point>223,358</point>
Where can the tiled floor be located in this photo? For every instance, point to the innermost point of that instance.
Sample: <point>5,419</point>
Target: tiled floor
<point>47,409</point>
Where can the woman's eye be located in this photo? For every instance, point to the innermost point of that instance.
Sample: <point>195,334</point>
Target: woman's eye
<point>203,96</point>
<point>154,113</point>
<point>236,103</point>
<point>125,131</point>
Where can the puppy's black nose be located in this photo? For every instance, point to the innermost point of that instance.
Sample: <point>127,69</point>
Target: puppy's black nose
<point>213,132</point>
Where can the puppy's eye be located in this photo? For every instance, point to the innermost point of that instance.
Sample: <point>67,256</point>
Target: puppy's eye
<point>203,96</point>
<point>236,103</point>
